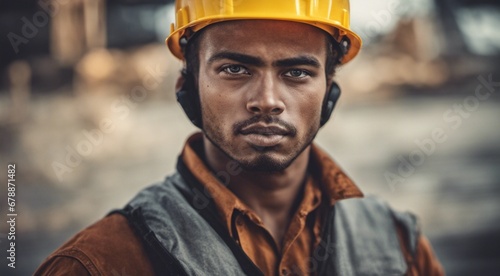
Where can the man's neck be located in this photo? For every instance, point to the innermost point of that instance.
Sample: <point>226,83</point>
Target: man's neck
<point>274,196</point>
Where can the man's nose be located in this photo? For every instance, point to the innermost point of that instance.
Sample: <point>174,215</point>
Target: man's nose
<point>265,98</point>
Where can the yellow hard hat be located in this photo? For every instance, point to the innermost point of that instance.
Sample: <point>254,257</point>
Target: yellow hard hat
<point>331,16</point>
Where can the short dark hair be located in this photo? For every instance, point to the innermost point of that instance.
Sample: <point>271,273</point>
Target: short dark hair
<point>191,55</point>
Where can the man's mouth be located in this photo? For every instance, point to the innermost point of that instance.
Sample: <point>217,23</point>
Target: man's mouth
<point>267,130</point>
<point>261,135</point>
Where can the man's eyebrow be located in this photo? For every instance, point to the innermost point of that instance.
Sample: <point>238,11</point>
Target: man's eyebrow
<point>252,60</point>
<point>300,60</point>
<point>242,58</point>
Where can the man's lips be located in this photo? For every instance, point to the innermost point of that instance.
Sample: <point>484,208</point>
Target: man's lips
<point>264,136</point>
<point>264,130</point>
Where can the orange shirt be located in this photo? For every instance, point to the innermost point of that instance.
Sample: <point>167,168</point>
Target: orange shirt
<point>303,232</point>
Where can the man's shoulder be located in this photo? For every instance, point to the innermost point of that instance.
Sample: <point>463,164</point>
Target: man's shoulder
<point>109,245</point>
<point>372,213</point>
<point>111,233</point>
<point>378,209</point>
<point>371,216</point>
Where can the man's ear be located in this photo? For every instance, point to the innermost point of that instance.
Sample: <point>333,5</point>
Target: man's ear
<point>329,82</point>
<point>331,97</point>
<point>180,82</point>
<point>188,98</point>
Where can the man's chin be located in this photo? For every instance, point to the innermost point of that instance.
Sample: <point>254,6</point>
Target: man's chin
<point>264,164</point>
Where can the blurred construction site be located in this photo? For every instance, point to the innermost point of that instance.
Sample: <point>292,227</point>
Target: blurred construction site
<point>89,117</point>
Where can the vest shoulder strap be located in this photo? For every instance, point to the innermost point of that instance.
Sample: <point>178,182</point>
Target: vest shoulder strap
<point>182,236</point>
<point>161,259</point>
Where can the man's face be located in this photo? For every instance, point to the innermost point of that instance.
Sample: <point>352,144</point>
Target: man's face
<point>261,86</point>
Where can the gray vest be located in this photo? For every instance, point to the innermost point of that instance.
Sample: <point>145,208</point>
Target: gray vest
<point>359,237</point>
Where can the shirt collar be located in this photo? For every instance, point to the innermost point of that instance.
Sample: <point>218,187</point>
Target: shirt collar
<point>334,182</point>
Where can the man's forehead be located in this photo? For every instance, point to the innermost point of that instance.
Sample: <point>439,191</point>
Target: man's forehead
<point>260,35</point>
<point>263,27</point>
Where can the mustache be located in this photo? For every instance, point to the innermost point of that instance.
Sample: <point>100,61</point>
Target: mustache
<point>266,119</point>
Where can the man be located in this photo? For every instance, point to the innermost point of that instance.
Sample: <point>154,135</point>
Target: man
<point>252,195</point>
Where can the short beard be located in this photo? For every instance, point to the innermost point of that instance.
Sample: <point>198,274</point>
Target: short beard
<point>266,164</point>
<point>263,163</point>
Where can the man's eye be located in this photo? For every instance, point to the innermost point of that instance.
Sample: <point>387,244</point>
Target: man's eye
<point>297,73</point>
<point>235,70</point>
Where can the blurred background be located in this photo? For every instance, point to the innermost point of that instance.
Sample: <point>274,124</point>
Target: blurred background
<point>88,115</point>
